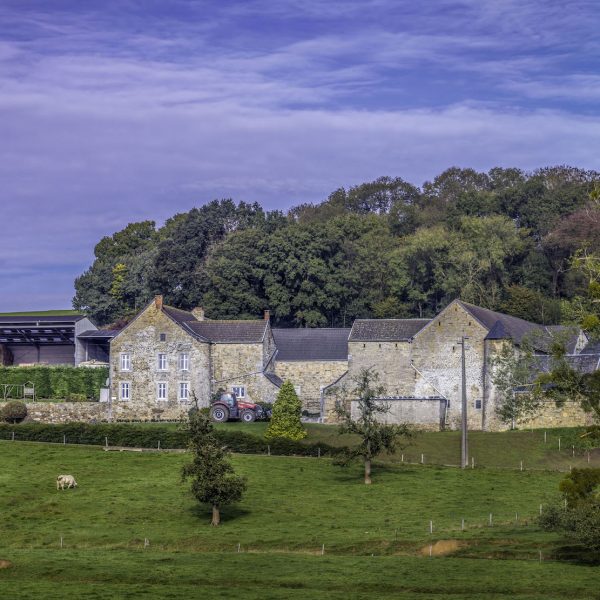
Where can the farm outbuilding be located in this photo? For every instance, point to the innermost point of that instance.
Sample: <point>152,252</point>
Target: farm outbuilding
<point>27,339</point>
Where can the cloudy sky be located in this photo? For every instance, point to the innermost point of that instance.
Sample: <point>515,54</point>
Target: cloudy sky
<point>115,111</point>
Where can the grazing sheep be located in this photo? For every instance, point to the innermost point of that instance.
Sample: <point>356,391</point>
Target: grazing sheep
<point>65,480</point>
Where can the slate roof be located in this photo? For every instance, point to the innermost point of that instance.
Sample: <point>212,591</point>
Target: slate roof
<point>501,326</point>
<point>230,332</point>
<point>220,332</point>
<point>584,363</point>
<point>592,347</point>
<point>385,330</point>
<point>312,344</point>
<point>274,379</point>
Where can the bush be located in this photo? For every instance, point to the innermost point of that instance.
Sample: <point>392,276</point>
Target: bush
<point>14,411</point>
<point>285,420</point>
<point>57,382</point>
<point>72,397</point>
<point>140,436</point>
<point>580,485</point>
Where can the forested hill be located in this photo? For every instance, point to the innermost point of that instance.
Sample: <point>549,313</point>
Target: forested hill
<point>502,239</point>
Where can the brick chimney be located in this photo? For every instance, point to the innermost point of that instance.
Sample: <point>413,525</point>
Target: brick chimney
<point>158,302</point>
<point>198,312</point>
<point>267,315</point>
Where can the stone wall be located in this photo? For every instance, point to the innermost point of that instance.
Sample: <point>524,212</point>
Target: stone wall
<point>425,414</point>
<point>311,377</point>
<point>436,353</point>
<point>141,339</point>
<point>95,412</point>
<point>391,362</point>
<point>242,365</point>
<point>570,414</point>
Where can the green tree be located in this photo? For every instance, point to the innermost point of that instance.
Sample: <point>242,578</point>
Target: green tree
<point>285,420</point>
<point>213,480</point>
<point>365,421</point>
<point>580,518</point>
<point>512,370</point>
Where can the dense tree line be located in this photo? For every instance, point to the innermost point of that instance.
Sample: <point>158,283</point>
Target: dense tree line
<point>505,240</point>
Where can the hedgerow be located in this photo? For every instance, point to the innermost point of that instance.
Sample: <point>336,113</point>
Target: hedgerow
<point>139,436</point>
<point>60,382</point>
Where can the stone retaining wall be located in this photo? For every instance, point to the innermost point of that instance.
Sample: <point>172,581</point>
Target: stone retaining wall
<point>94,412</point>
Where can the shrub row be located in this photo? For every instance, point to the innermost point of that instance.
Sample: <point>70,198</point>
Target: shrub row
<point>61,382</point>
<point>137,436</point>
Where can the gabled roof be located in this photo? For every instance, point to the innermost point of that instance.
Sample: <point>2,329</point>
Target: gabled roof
<point>311,344</point>
<point>584,363</point>
<point>230,332</point>
<point>592,347</point>
<point>501,327</point>
<point>385,330</point>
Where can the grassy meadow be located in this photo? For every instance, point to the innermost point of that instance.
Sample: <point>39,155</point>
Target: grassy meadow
<point>376,539</point>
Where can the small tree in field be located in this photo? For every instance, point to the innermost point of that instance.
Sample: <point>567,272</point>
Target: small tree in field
<point>214,481</point>
<point>285,420</point>
<point>375,437</point>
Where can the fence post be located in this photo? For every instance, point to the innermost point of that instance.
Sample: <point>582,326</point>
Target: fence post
<point>491,520</point>
<point>322,549</point>
<point>462,524</point>
<point>521,465</point>
<point>13,436</point>
<point>61,541</point>
<point>430,526</point>
<point>545,436</point>
<point>159,444</point>
<point>106,441</point>
<point>64,438</point>
<point>540,509</point>
<point>422,459</point>
<point>319,452</point>
<point>472,462</point>
<point>559,444</point>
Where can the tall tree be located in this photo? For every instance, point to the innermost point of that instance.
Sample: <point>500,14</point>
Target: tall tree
<point>213,479</point>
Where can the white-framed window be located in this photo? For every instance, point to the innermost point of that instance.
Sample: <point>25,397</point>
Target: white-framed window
<point>125,363</point>
<point>161,390</point>
<point>125,390</point>
<point>478,403</point>
<point>184,391</point>
<point>183,361</point>
<point>239,391</point>
<point>162,361</point>
<point>298,389</point>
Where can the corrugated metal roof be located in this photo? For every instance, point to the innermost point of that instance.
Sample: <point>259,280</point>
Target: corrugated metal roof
<point>42,319</point>
<point>382,330</point>
<point>311,344</point>
<point>99,333</point>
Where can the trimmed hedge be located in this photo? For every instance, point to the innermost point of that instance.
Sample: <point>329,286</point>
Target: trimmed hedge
<point>136,436</point>
<point>58,382</point>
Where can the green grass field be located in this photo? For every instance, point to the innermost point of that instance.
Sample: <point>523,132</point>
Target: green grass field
<point>503,450</point>
<point>376,538</point>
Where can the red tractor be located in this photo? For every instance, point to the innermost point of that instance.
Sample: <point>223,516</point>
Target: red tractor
<point>229,407</point>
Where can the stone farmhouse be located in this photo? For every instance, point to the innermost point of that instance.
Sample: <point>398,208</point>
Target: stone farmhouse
<point>167,358</point>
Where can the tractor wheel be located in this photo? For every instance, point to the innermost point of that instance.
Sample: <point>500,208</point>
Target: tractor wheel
<point>219,413</point>
<point>248,416</point>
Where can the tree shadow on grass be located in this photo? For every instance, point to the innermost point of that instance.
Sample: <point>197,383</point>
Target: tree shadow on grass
<point>577,554</point>
<point>230,513</point>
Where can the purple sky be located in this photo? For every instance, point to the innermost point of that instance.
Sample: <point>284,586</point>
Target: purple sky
<point>114,111</point>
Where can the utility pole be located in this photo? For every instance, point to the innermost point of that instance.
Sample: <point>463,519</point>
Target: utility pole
<point>464,449</point>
